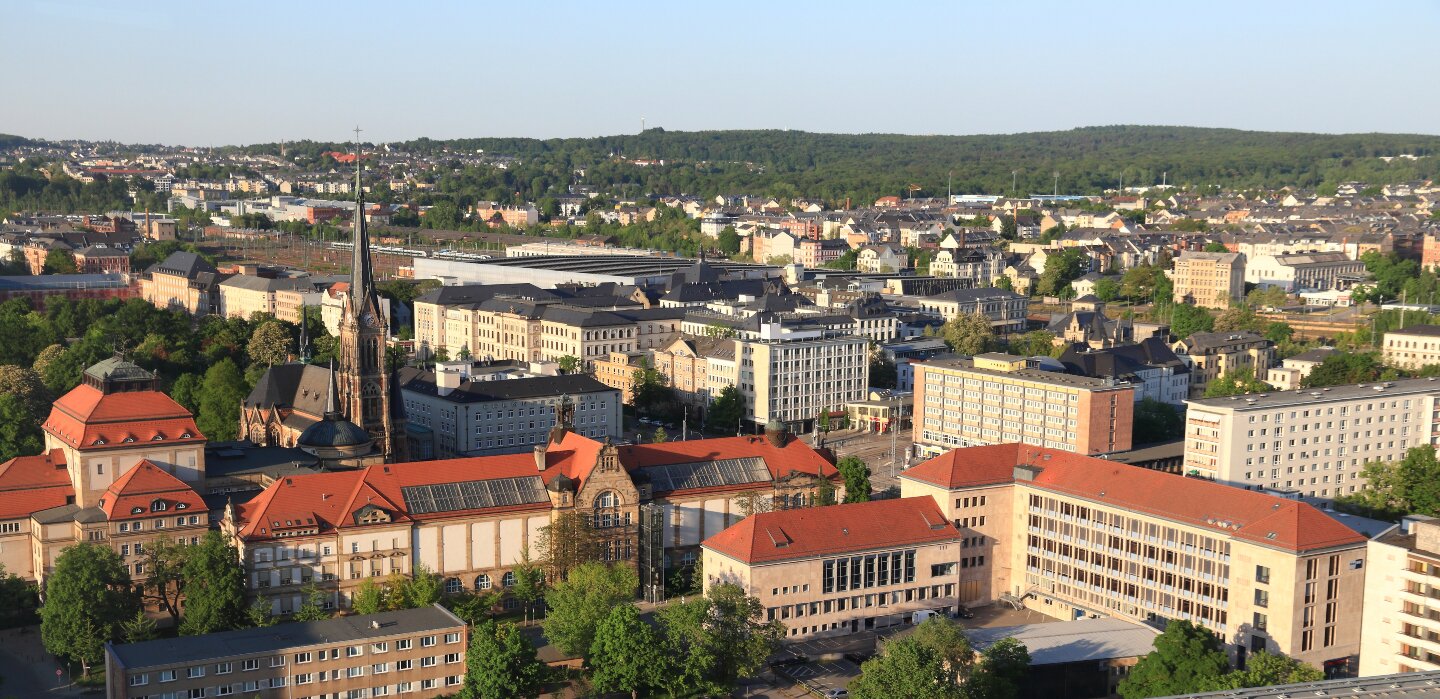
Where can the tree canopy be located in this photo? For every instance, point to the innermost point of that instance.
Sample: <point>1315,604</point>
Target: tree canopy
<point>88,598</point>
<point>1187,658</point>
<point>580,601</point>
<point>969,334</point>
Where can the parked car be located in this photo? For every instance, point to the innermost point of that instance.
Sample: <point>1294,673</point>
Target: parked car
<point>836,693</point>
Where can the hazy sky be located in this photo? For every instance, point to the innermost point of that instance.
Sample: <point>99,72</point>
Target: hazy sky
<point>203,72</point>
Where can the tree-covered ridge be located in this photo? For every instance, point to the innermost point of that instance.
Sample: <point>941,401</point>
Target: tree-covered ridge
<point>834,166</point>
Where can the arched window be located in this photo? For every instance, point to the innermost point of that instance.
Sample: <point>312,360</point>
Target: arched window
<point>606,515</point>
<point>453,586</point>
<point>158,506</point>
<point>508,580</point>
<point>482,582</point>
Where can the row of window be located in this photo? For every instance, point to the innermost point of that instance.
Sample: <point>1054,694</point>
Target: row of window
<point>159,523</point>
<point>244,688</point>
<point>300,658</point>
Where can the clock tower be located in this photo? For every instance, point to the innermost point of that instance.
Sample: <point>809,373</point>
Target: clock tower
<point>364,382</point>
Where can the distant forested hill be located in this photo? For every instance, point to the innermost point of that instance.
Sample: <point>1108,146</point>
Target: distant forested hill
<point>864,166</point>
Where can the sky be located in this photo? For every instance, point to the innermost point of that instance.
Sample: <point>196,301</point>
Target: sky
<point>213,73</point>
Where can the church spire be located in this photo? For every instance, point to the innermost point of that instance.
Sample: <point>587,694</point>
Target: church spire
<point>361,282</point>
<point>331,410</point>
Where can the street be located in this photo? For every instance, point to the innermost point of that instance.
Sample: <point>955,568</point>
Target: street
<point>873,449</point>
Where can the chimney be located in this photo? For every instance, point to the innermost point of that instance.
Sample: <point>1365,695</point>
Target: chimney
<point>539,452</point>
<point>448,376</point>
<point>776,434</point>
<point>1426,531</point>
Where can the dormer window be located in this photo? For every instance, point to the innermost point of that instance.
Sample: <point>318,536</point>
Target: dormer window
<point>158,506</point>
<point>185,435</point>
<point>127,440</point>
<point>137,510</point>
<point>99,442</point>
<point>182,505</point>
<point>158,438</point>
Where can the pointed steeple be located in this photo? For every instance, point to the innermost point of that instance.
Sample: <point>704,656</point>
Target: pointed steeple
<point>304,338</point>
<point>331,410</point>
<point>362,285</point>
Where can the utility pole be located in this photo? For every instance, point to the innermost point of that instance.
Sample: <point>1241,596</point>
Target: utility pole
<point>895,437</point>
<point>1014,179</point>
<point>949,177</point>
<point>1056,174</point>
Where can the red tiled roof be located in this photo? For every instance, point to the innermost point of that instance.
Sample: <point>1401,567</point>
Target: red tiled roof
<point>1235,512</point>
<point>795,456</point>
<point>961,468</point>
<point>87,418</point>
<point>29,484</point>
<point>832,530</point>
<point>299,498</point>
<point>141,486</point>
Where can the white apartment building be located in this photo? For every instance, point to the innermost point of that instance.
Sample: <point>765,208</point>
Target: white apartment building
<point>1311,441</point>
<point>1402,600</point>
<point>789,376</point>
<point>1309,271</point>
<point>1412,348</point>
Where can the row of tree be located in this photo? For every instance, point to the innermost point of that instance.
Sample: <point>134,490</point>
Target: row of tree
<point>937,661</point>
<point>1188,658</point>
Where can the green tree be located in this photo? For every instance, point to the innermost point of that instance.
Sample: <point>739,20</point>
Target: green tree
<point>857,478</point>
<point>269,344</point>
<point>1139,283</point>
<point>1003,282</point>
<point>582,599</point>
<point>19,429</point>
<point>529,584</point>
<point>1235,382</point>
<point>1215,247</point>
<point>369,598</point>
<point>625,655</point>
<point>1187,658</point>
<point>1107,289</point>
<point>88,598</point>
<point>568,364</point>
<point>501,664</point>
<point>969,334</point>
<point>906,668</point>
<point>421,589</point>
<point>660,436</point>
<point>1061,268</point>
<point>187,391</point>
<point>726,411</point>
<point>214,586</point>
<point>1000,671</point>
<point>728,241</point>
<point>950,644</point>
<point>1036,343</point>
<point>221,394</point>
<point>25,383</point>
<point>1264,669</point>
<point>712,640</point>
<point>312,608</point>
<point>59,262</point>
<point>567,542</point>
<point>164,584</point>
<point>1157,422</point>
<point>258,613</point>
<point>1411,486</point>
<point>1238,318</point>
<point>1344,368</point>
<point>139,628</point>
<point>652,394</point>
<point>1188,320</point>
<point>19,600</point>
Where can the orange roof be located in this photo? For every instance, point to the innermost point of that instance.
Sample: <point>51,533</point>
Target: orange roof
<point>88,418</point>
<point>826,531</point>
<point>29,484</point>
<point>962,468</point>
<point>141,486</point>
<point>1242,514</point>
<point>329,500</point>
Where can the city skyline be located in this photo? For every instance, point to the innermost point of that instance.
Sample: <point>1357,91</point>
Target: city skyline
<point>293,73</point>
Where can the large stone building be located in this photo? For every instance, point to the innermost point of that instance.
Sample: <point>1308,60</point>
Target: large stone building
<point>1005,309</point>
<point>834,571</point>
<point>183,281</point>
<point>998,398</point>
<point>1307,271</point>
<point>472,520</point>
<point>1209,279</point>
<point>1073,536</point>
<point>465,409</point>
<point>1311,441</point>
<point>1212,355</point>
<point>122,462</point>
